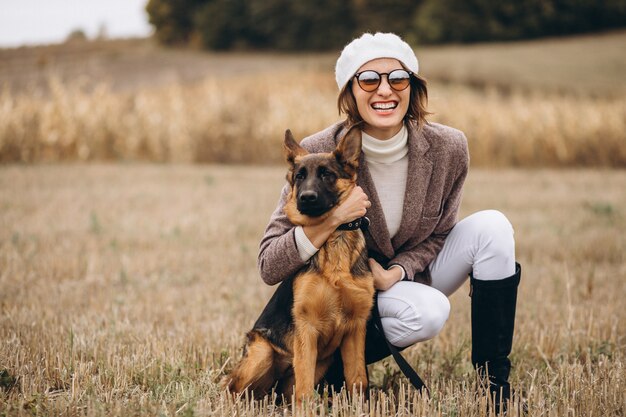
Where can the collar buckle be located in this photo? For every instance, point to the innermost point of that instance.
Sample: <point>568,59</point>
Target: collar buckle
<point>360,223</point>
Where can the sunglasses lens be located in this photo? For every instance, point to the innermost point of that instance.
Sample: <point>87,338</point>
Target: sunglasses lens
<point>369,80</point>
<point>399,79</point>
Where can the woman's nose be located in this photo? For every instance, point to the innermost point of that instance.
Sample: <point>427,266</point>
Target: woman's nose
<point>384,88</point>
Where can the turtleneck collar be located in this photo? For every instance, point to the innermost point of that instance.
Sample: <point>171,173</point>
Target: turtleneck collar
<point>386,151</point>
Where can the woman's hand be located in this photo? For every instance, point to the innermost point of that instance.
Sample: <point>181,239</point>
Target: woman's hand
<point>353,207</point>
<point>384,278</point>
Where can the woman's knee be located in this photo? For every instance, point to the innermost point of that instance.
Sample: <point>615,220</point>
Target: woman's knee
<point>490,222</point>
<point>491,229</point>
<point>417,320</point>
<point>432,320</point>
<point>494,251</point>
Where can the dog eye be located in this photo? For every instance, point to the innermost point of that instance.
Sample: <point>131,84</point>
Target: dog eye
<point>300,175</point>
<point>326,175</point>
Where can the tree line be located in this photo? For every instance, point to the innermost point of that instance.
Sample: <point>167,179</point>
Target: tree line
<point>330,24</point>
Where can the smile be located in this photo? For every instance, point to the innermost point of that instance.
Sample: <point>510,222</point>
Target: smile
<point>385,106</point>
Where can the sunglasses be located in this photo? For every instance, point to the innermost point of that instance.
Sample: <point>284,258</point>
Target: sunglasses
<point>369,80</point>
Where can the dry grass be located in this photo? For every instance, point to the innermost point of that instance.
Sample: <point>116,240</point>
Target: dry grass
<point>126,290</point>
<point>242,119</point>
<point>521,104</point>
<point>227,119</point>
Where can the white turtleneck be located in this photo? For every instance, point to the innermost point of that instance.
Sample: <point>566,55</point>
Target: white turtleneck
<point>388,163</point>
<point>386,151</point>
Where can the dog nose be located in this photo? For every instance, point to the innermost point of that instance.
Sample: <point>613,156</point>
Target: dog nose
<point>308,197</point>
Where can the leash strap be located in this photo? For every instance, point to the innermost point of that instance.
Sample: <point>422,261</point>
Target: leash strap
<point>406,369</point>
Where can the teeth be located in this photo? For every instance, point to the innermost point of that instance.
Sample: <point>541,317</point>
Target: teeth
<point>384,106</point>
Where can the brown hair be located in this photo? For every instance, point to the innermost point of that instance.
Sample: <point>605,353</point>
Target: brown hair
<point>418,101</point>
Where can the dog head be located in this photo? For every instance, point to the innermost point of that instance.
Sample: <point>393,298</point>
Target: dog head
<point>320,181</point>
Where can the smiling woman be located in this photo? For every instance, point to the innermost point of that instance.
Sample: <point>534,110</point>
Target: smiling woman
<point>382,102</point>
<point>28,22</point>
<point>409,185</point>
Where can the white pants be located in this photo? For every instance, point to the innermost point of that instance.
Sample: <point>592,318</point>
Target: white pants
<point>481,243</point>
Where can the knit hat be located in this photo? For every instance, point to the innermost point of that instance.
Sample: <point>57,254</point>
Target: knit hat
<point>369,47</point>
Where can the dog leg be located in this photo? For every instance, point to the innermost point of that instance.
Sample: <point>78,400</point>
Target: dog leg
<point>285,386</point>
<point>322,367</point>
<point>304,360</point>
<point>256,370</point>
<point>353,356</point>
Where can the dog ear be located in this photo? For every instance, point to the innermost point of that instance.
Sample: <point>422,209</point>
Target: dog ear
<point>349,149</point>
<point>291,148</point>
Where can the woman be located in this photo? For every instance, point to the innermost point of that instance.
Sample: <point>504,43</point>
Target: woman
<point>410,182</point>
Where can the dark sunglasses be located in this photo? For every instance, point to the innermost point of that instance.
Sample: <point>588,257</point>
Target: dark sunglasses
<point>369,80</point>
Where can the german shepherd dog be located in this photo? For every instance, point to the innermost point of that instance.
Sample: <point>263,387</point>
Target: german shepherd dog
<point>326,305</point>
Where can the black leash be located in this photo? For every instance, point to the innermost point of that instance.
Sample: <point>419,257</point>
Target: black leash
<point>406,369</point>
<point>363,223</point>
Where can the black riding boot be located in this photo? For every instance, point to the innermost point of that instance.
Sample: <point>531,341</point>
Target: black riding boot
<point>493,318</point>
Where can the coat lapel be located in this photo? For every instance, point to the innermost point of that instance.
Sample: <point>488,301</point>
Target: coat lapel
<point>377,230</point>
<point>418,177</point>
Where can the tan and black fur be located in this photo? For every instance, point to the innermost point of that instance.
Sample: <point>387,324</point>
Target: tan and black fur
<point>326,305</point>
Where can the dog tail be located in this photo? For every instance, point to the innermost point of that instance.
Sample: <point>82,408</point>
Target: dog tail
<point>256,371</point>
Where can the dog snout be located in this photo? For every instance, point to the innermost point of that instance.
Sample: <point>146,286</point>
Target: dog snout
<point>308,196</point>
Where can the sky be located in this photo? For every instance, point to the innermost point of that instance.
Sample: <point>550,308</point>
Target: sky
<point>33,22</point>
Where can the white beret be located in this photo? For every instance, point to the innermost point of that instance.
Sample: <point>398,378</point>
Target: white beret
<point>369,47</point>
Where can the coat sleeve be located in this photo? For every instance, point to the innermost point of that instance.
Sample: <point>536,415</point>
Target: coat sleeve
<point>414,256</point>
<point>278,254</point>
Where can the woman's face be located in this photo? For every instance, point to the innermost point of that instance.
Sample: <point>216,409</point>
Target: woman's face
<point>383,109</point>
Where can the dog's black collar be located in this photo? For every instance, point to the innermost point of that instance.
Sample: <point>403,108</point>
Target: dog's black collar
<point>360,223</point>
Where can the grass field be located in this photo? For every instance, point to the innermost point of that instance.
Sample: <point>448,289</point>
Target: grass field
<point>520,104</point>
<point>126,290</point>
<point>126,287</point>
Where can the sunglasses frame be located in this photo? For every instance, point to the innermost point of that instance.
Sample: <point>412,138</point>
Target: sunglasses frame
<point>380,79</point>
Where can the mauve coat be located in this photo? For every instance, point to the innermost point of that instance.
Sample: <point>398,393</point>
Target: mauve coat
<point>438,164</point>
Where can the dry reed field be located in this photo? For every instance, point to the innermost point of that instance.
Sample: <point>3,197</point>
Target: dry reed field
<point>242,120</point>
<point>126,289</point>
<point>524,104</point>
<point>128,275</point>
